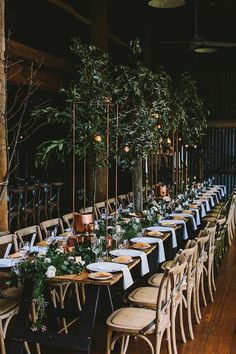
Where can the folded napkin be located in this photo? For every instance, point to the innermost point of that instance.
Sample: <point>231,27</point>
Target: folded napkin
<point>198,222</point>
<point>188,216</point>
<point>179,222</point>
<point>207,204</point>
<point>134,253</point>
<point>127,277</point>
<point>165,229</point>
<point>161,252</point>
<point>109,267</point>
<point>203,210</point>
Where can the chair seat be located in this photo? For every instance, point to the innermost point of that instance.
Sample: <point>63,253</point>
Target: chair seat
<point>144,296</point>
<point>155,280</point>
<point>7,305</point>
<point>131,319</point>
<point>166,264</point>
<point>12,293</point>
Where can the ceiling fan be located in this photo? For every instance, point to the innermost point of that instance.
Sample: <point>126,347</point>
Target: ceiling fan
<point>200,44</point>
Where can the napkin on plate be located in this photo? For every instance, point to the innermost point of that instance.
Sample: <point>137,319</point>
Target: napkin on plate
<point>179,222</point>
<point>188,216</point>
<point>165,229</point>
<point>113,267</point>
<point>134,253</point>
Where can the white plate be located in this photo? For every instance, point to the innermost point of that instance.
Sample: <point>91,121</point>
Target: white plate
<point>99,278</point>
<point>114,260</point>
<point>144,239</point>
<point>127,252</point>
<point>109,267</point>
<point>8,263</point>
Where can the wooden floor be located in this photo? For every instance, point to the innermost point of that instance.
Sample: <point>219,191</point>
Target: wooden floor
<point>216,334</point>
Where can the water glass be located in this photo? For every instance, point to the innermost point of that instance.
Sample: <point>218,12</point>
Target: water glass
<point>25,249</point>
<point>96,246</point>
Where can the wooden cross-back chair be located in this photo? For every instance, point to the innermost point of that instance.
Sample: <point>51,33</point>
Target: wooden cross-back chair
<point>122,198</point>
<point>9,296</point>
<point>98,209</point>
<point>32,234</point>
<point>152,314</point>
<point>52,225</point>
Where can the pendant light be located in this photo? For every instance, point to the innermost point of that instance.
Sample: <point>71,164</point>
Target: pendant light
<point>165,4</point>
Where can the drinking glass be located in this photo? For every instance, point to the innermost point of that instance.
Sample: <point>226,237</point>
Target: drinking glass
<point>96,246</point>
<point>25,249</point>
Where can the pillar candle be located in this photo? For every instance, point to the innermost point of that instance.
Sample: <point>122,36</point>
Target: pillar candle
<point>182,153</point>
<point>146,165</point>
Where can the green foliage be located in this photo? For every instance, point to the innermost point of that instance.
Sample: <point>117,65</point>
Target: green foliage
<point>140,93</point>
<point>40,268</point>
<point>189,107</point>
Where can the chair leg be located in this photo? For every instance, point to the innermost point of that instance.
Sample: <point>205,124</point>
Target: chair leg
<point>213,277</point>
<point>203,291</point>
<point>209,278</point>
<point>109,336</point>
<point>173,333</point>
<point>189,303</point>
<point>2,341</point>
<point>169,340</point>
<point>181,322</point>
<point>159,336</point>
<point>195,305</point>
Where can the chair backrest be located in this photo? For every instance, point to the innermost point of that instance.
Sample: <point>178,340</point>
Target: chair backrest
<point>123,199</point>
<point>130,197</point>
<point>54,226</point>
<point>32,234</point>
<point>7,245</point>
<point>171,285</point>
<point>111,204</point>
<point>98,209</point>
<point>68,219</point>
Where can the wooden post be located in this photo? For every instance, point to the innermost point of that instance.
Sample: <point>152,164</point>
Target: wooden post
<point>3,130</point>
<point>99,38</point>
<point>138,186</point>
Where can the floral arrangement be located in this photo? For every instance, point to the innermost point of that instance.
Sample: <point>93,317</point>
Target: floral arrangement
<point>41,268</point>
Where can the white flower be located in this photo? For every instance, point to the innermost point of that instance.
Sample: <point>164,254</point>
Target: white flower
<point>59,250</point>
<point>47,260</point>
<point>167,199</point>
<point>136,220</point>
<point>51,272</point>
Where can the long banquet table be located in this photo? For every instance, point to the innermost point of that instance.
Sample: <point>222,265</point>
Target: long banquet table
<point>81,342</point>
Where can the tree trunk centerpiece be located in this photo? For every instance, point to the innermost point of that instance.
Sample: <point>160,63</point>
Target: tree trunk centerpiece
<point>137,182</point>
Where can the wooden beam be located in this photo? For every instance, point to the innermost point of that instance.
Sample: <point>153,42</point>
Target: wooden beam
<point>20,74</point>
<point>70,10</point>
<point>221,124</point>
<point>19,50</point>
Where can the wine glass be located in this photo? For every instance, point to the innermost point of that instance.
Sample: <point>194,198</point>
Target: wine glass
<point>96,246</point>
<point>25,249</point>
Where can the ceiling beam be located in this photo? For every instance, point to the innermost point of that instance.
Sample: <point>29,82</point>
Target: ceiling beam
<point>19,50</point>
<point>221,124</point>
<point>70,10</point>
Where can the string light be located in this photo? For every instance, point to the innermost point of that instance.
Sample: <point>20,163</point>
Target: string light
<point>186,145</point>
<point>126,148</point>
<point>98,138</point>
<point>168,140</point>
<point>180,139</point>
<point>195,146</point>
